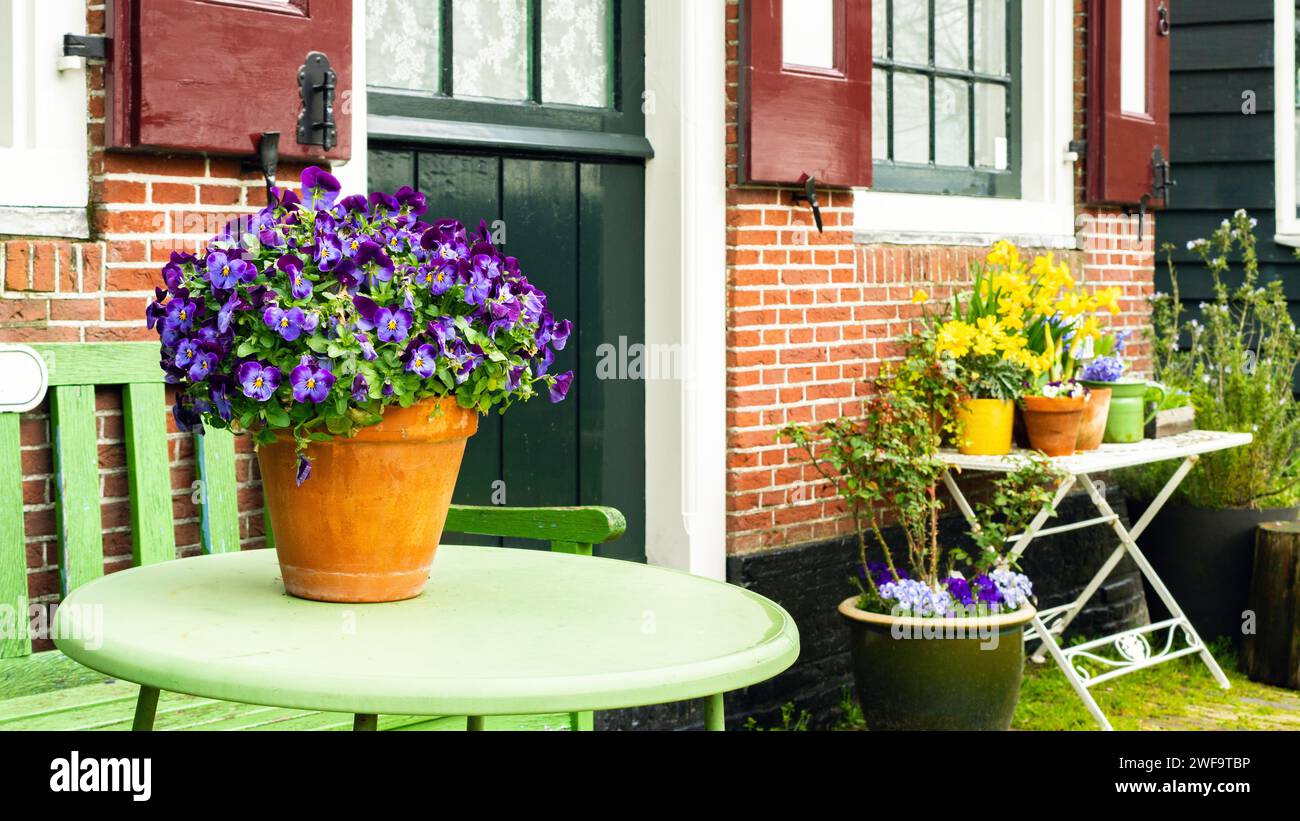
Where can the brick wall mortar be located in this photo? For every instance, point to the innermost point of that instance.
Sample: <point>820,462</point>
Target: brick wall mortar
<point>806,330</point>
<point>144,205</point>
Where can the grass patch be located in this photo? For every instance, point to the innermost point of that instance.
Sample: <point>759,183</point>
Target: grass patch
<point>1177,695</point>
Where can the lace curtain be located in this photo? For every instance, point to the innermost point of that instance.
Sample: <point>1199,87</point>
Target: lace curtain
<point>575,49</point>
<point>490,44</point>
<point>402,44</point>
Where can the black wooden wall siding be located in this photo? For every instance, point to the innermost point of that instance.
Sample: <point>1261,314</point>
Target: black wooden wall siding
<point>576,228</point>
<point>1222,157</point>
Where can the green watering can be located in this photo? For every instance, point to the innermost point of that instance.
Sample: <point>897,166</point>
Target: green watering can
<point>1127,420</point>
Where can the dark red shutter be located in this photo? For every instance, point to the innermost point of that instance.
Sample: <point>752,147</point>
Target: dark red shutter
<point>797,120</point>
<point>1121,143</point>
<point>206,75</point>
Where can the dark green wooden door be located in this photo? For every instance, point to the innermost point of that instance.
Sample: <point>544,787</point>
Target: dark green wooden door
<point>577,229</point>
<point>549,140</point>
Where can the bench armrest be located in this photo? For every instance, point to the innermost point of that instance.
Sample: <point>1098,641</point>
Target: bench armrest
<point>575,525</point>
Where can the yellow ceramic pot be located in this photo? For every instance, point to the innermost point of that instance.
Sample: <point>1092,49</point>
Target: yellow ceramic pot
<point>985,426</point>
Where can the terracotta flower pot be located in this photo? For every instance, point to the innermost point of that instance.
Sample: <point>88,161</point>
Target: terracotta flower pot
<point>1052,423</point>
<point>1092,428</point>
<point>364,527</point>
<point>985,426</point>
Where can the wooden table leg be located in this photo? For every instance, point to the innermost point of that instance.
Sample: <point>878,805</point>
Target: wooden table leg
<point>364,722</point>
<point>146,707</point>
<point>715,713</point>
<point>474,723</point>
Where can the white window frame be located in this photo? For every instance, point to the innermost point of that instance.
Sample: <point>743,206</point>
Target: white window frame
<point>1043,216</point>
<point>1284,154</point>
<point>44,167</point>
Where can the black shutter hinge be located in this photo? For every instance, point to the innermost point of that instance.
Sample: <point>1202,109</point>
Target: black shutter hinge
<point>316,85</point>
<point>1162,183</point>
<point>90,47</point>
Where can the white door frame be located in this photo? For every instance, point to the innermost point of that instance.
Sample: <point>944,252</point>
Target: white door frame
<point>685,276</point>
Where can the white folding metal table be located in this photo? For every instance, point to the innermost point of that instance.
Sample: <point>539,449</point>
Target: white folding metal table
<point>1084,665</point>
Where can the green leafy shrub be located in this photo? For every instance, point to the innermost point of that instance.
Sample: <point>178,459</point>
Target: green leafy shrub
<point>1236,363</point>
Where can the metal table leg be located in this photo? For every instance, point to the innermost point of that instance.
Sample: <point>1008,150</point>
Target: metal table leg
<point>715,713</point>
<point>362,722</point>
<point>1132,645</point>
<point>1179,620</point>
<point>146,707</point>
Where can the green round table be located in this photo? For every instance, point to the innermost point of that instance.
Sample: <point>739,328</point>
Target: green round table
<point>496,632</point>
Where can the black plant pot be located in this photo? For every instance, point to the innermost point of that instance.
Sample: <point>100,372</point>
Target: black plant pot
<point>1205,558</point>
<point>936,674</point>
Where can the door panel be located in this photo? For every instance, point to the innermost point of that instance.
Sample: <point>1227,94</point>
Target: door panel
<point>577,229</point>
<point>539,210</point>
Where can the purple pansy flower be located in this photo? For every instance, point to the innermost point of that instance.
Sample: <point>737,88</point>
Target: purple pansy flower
<point>560,387</point>
<point>290,324</point>
<point>304,470</point>
<point>179,315</point>
<point>367,349</point>
<point>514,375</point>
<point>204,364</point>
<point>360,389</point>
<point>225,273</point>
<point>319,188</point>
<point>185,353</point>
<point>227,312</point>
<point>423,361</point>
<point>258,381</point>
<point>299,285</point>
<point>187,417</point>
<point>392,326</point>
<point>372,258</point>
<point>560,334</point>
<point>310,382</point>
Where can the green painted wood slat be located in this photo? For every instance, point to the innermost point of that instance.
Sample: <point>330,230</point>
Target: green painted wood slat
<point>14,640</point>
<point>101,363</point>
<point>153,531</point>
<point>76,486</point>
<point>219,502</point>
<point>583,525</point>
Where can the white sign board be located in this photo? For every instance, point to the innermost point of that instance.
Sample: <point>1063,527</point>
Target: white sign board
<point>23,378</point>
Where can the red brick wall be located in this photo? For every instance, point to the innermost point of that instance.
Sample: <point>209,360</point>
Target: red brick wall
<point>143,207</point>
<point>811,316</point>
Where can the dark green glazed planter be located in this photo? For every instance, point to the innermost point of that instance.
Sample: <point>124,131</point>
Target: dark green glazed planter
<point>936,683</point>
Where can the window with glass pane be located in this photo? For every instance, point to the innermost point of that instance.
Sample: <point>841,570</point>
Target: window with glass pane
<point>542,51</point>
<point>402,44</point>
<point>945,112</point>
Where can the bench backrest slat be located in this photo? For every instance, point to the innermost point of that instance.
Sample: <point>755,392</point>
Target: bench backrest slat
<point>153,530</point>
<point>13,552</point>
<point>76,486</point>
<point>218,499</point>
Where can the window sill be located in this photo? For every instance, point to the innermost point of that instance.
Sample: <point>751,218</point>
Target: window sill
<point>928,219</point>
<point>965,239</point>
<point>44,221</point>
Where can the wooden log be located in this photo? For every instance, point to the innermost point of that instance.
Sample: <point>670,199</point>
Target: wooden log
<point>1271,654</point>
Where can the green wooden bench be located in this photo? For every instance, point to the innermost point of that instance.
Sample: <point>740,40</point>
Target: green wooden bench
<point>47,690</point>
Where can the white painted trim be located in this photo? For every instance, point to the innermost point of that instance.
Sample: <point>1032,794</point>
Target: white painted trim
<point>352,175</point>
<point>685,430</point>
<point>44,221</point>
<point>1045,209</point>
<point>1284,154</point>
<point>43,141</point>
